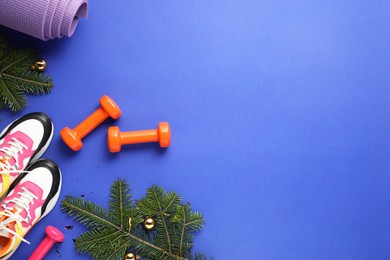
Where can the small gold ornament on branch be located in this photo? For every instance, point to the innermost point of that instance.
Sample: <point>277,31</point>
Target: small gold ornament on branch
<point>40,65</point>
<point>132,256</point>
<point>149,223</point>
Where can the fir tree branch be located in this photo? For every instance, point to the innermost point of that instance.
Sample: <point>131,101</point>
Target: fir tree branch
<point>31,81</point>
<point>17,78</point>
<point>79,209</point>
<point>82,242</point>
<point>183,229</point>
<point>163,205</point>
<point>5,57</point>
<point>15,62</point>
<point>115,252</point>
<point>121,204</point>
<point>44,82</point>
<point>110,235</point>
<point>163,220</point>
<point>12,98</point>
<point>82,215</point>
<point>116,203</point>
<point>188,222</point>
<point>4,49</point>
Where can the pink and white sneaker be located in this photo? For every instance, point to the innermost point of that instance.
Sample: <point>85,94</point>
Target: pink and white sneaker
<point>21,143</point>
<point>30,198</point>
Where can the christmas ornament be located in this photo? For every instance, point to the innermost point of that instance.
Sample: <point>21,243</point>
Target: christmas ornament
<point>149,223</point>
<point>130,256</point>
<point>40,65</point>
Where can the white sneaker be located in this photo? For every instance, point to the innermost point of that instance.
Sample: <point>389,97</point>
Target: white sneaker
<point>21,143</point>
<point>31,197</point>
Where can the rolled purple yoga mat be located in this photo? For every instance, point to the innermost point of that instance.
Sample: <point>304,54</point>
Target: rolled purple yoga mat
<point>44,19</point>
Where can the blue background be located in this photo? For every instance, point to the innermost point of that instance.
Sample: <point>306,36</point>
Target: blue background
<point>279,110</point>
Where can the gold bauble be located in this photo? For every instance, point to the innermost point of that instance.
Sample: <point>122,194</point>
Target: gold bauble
<point>149,223</point>
<point>40,65</point>
<point>130,256</point>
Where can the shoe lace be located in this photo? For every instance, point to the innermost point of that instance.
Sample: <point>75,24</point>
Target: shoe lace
<point>16,147</point>
<point>21,203</point>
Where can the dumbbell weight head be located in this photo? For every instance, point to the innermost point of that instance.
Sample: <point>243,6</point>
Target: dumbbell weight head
<point>114,139</point>
<point>71,139</point>
<point>111,108</point>
<point>164,133</point>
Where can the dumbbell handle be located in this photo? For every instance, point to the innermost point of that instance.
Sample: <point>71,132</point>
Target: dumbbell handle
<point>41,251</point>
<point>91,122</point>
<point>137,137</point>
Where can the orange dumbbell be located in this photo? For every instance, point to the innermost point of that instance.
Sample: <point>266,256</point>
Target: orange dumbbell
<point>116,138</point>
<point>72,137</point>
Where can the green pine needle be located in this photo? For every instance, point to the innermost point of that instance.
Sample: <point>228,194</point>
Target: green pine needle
<point>115,231</point>
<point>17,78</point>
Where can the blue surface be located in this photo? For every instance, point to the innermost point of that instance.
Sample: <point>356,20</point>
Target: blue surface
<point>280,113</point>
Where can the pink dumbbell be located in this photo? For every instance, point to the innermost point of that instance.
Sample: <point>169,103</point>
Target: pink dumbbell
<point>53,235</point>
